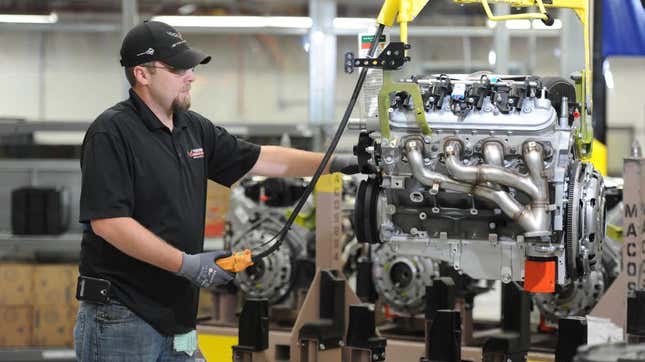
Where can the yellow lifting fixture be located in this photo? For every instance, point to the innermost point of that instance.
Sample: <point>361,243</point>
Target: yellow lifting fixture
<point>403,11</point>
<point>584,135</point>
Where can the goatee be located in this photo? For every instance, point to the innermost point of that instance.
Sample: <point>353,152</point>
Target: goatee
<point>181,105</point>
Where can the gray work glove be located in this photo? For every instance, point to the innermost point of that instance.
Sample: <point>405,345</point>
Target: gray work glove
<point>202,270</point>
<point>346,164</point>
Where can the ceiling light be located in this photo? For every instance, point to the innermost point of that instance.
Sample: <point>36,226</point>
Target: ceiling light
<point>236,21</point>
<point>518,24</point>
<point>294,22</point>
<point>289,21</point>
<point>28,19</point>
<point>353,23</point>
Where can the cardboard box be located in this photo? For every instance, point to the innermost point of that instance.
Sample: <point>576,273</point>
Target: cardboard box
<point>75,275</point>
<point>54,283</point>
<point>205,307</point>
<point>218,199</point>
<point>53,325</point>
<point>16,284</point>
<point>16,324</point>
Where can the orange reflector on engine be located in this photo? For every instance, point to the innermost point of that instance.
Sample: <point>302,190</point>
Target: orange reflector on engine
<point>539,276</point>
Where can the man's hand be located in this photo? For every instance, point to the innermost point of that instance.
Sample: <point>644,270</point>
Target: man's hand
<point>346,164</point>
<point>202,270</point>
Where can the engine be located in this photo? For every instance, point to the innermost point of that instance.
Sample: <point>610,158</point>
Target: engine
<point>252,223</point>
<point>489,182</point>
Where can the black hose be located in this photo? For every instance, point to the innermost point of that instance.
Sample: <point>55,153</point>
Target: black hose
<point>277,240</point>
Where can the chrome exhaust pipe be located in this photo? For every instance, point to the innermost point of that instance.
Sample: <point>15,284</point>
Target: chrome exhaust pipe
<point>487,173</point>
<point>507,204</point>
<point>533,219</point>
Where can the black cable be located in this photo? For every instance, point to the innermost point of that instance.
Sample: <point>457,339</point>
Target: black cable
<point>332,147</point>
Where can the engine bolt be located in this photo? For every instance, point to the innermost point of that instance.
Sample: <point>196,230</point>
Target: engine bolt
<point>423,215</point>
<point>416,197</point>
<point>532,145</point>
<point>426,161</point>
<point>389,159</point>
<point>492,226</point>
<point>506,278</point>
<point>427,139</point>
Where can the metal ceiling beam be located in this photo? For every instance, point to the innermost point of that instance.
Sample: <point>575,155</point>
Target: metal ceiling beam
<point>502,40</point>
<point>129,19</point>
<point>572,49</point>
<point>322,62</point>
<point>414,31</point>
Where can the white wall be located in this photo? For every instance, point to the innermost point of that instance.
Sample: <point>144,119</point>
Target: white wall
<point>75,76</point>
<point>626,101</point>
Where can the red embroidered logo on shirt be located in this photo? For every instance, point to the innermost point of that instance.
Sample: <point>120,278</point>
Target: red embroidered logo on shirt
<point>196,153</point>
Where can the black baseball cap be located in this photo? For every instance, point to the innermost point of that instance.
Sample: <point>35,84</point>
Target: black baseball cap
<point>154,40</point>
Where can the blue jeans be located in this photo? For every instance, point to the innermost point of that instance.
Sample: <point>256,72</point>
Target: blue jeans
<point>112,333</point>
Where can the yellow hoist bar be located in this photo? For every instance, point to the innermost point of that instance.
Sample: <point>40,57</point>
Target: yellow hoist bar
<point>584,136</point>
<point>403,11</point>
<point>580,7</point>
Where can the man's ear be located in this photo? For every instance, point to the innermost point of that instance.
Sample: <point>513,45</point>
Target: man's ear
<point>141,74</point>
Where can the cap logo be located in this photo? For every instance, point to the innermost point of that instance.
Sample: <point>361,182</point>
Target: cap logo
<point>149,51</point>
<point>178,36</point>
<point>177,43</point>
<point>175,35</point>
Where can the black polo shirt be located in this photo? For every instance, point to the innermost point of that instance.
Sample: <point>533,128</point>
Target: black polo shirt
<point>134,166</point>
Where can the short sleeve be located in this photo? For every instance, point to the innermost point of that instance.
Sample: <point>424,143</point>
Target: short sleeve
<point>229,158</point>
<point>107,186</point>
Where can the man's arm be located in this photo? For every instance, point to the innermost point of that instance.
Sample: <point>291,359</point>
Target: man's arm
<point>132,238</point>
<point>276,161</point>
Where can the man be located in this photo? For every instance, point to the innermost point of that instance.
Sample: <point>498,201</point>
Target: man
<point>145,164</point>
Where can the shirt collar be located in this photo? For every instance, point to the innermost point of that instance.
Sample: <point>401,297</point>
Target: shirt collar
<point>150,119</point>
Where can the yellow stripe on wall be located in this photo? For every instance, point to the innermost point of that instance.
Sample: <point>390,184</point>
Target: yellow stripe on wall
<point>330,183</point>
<point>599,156</point>
<point>216,348</point>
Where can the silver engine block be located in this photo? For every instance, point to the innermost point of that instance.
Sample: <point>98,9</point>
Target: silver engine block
<point>495,184</point>
<point>252,224</point>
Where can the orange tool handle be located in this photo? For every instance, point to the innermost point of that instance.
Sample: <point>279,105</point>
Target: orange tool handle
<point>236,262</point>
